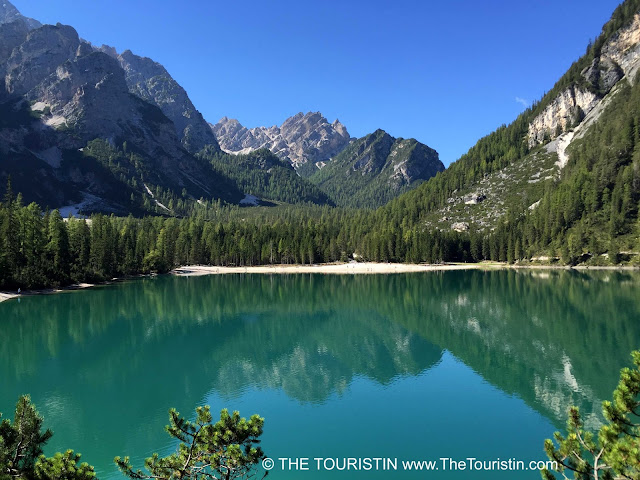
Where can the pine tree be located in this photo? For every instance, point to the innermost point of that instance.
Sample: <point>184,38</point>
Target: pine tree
<point>58,248</point>
<point>611,454</point>
<point>21,444</point>
<point>226,449</point>
<point>9,233</point>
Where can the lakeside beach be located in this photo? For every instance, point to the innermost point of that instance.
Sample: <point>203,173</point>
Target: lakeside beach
<point>334,268</point>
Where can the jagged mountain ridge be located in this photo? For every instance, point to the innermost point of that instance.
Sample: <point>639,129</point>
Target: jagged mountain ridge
<point>59,94</point>
<point>376,168</point>
<point>308,140</point>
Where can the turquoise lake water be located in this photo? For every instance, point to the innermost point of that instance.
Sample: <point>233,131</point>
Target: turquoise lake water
<point>408,367</point>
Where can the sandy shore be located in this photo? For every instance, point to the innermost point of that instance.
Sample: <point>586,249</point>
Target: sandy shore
<point>334,268</point>
<point>9,295</point>
<point>374,268</point>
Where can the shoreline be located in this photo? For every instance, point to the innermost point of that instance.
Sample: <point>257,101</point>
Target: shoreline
<point>5,295</point>
<point>352,268</point>
<point>326,268</point>
<point>356,268</point>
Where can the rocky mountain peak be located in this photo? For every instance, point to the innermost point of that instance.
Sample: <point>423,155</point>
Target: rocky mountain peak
<point>9,13</point>
<point>70,108</point>
<point>43,50</point>
<point>307,140</point>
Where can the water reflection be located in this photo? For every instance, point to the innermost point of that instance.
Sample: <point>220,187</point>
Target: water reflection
<point>552,338</point>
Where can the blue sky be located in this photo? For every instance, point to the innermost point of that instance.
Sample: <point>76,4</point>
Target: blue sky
<point>446,73</point>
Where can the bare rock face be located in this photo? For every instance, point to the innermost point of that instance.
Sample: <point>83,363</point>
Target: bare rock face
<point>624,49</point>
<point>13,34</point>
<point>87,94</point>
<point>619,58</point>
<point>43,50</point>
<point>564,112</point>
<point>9,14</point>
<point>151,82</point>
<point>304,139</point>
<point>603,73</point>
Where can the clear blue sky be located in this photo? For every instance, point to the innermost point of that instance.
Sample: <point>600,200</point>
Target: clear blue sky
<point>446,73</point>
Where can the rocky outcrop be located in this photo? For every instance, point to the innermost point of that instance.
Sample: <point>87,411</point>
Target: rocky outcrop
<point>602,74</point>
<point>13,35</point>
<point>624,49</point>
<point>41,53</point>
<point>151,82</point>
<point>306,140</point>
<point>618,58</point>
<point>566,111</point>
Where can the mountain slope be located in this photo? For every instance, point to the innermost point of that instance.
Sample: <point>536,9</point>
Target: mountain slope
<point>563,180</point>
<point>374,169</point>
<point>306,140</point>
<point>151,82</point>
<point>59,95</point>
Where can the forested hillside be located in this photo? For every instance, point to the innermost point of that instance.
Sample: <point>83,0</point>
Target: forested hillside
<point>592,209</point>
<point>587,204</point>
<point>264,175</point>
<point>509,143</point>
<point>376,168</point>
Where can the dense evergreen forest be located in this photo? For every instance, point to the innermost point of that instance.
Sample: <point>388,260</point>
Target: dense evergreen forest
<point>589,214</point>
<point>263,174</point>
<point>42,249</point>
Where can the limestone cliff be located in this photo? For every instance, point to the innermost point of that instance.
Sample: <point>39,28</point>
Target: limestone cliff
<point>566,111</point>
<point>618,58</point>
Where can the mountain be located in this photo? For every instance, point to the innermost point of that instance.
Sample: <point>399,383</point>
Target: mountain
<point>563,180</point>
<point>365,172</point>
<point>306,140</point>
<point>151,82</point>
<point>72,133</point>
<point>376,168</point>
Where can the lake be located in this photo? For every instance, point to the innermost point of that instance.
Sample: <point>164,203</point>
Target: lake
<point>418,366</point>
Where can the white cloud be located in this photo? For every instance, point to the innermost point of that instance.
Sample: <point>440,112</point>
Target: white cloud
<point>523,102</point>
